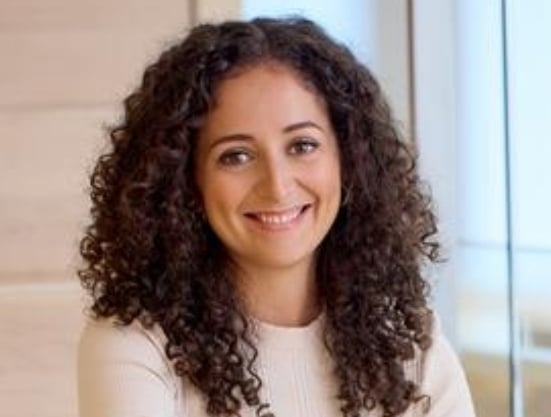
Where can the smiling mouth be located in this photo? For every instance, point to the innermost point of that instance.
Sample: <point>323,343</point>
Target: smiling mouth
<point>277,219</point>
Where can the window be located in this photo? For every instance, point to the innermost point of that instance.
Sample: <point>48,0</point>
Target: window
<point>496,86</point>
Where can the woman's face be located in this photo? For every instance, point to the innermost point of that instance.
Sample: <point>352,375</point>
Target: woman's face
<point>268,168</point>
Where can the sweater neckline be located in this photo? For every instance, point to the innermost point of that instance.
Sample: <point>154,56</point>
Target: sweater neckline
<point>289,337</point>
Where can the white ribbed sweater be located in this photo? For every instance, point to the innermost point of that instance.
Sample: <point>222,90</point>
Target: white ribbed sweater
<point>123,372</point>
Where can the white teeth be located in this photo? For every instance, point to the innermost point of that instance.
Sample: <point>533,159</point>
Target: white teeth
<point>278,219</point>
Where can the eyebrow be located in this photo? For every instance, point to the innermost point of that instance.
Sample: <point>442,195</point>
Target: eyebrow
<point>248,138</point>
<point>301,125</point>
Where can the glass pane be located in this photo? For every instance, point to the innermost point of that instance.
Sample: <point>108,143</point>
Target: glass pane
<point>529,65</point>
<point>482,256</point>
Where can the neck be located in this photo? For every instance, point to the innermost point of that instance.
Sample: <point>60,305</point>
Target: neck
<point>282,296</point>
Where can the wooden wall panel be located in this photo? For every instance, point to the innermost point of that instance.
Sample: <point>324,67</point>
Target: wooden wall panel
<point>62,52</point>
<point>66,66</point>
<point>50,151</point>
<point>45,161</point>
<point>37,367</point>
<point>135,16</point>
<point>66,69</point>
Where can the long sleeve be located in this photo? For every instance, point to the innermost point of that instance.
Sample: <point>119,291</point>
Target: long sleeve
<point>123,372</point>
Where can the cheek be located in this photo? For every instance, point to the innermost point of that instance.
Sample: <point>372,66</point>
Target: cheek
<point>329,177</point>
<point>222,192</point>
<point>332,184</point>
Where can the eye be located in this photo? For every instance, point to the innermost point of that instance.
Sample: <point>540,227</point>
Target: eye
<point>234,157</point>
<point>304,146</point>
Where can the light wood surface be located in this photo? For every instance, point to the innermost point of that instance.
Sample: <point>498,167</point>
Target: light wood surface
<point>39,332</point>
<point>63,52</point>
<point>66,67</point>
<point>45,160</point>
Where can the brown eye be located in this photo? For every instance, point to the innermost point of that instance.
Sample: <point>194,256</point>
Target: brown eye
<point>234,157</point>
<point>304,146</point>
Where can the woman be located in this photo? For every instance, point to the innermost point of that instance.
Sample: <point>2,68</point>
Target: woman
<point>258,231</point>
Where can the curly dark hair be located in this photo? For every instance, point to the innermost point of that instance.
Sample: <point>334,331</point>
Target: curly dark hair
<point>150,255</point>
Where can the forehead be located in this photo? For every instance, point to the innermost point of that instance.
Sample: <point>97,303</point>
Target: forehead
<point>264,93</point>
<point>263,70</point>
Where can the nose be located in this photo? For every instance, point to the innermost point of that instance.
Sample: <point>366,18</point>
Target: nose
<point>276,179</point>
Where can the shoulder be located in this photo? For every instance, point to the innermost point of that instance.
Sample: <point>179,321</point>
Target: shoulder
<point>107,337</point>
<point>123,370</point>
<point>440,360</point>
<point>443,379</point>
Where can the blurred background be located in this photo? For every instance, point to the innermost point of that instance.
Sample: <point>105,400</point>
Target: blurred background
<point>468,81</point>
